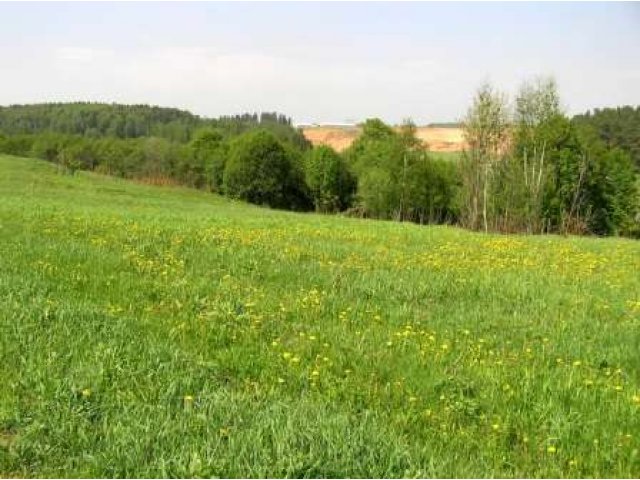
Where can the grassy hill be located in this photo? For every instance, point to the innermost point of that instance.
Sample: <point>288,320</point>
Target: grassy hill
<point>150,331</point>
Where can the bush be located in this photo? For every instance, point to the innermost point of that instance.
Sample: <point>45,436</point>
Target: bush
<point>612,193</point>
<point>204,167</point>
<point>331,183</point>
<point>263,171</point>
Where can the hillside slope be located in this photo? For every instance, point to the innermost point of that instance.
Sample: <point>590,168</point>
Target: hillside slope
<point>157,332</point>
<point>439,139</point>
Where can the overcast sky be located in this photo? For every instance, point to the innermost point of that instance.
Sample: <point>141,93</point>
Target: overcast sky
<point>317,62</point>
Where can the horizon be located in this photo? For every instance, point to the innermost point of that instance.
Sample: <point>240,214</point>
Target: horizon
<point>422,61</point>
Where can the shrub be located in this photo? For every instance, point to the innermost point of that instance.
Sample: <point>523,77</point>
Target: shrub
<point>331,183</point>
<point>263,171</point>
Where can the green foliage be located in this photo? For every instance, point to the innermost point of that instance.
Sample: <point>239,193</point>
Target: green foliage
<point>209,153</point>
<point>98,119</point>
<point>377,156</point>
<point>435,191</point>
<point>485,131</point>
<point>155,144</point>
<point>551,177</point>
<point>261,170</point>
<point>397,179</point>
<point>47,146</point>
<point>330,182</point>
<point>95,120</point>
<point>19,145</point>
<point>527,170</point>
<point>612,192</point>
<point>616,127</point>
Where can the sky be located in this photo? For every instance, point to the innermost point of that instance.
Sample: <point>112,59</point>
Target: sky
<point>317,62</point>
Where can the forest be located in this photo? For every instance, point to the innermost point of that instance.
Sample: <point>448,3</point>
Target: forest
<point>528,168</point>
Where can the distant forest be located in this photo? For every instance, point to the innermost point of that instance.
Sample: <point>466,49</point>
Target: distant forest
<point>616,127</point>
<point>96,120</point>
<point>528,168</point>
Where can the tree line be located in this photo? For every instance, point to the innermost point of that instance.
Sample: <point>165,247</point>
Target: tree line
<point>616,127</point>
<point>531,169</point>
<point>96,120</point>
<point>527,167</point>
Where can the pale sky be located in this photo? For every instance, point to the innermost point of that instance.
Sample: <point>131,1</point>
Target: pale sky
<point>317,62</point>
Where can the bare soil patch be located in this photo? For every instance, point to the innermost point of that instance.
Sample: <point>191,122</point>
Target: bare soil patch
<point>439,139</point>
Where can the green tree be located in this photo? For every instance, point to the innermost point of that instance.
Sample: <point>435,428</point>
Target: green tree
<point>208,156</point>
<point>612,192</point>
<point>486,133</point>
<point>330,182</point>
<point>536,123</point>
<point>377,157</point>
<point>261,170</point>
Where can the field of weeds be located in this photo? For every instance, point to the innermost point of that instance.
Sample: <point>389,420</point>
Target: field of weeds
<point>158,331</point>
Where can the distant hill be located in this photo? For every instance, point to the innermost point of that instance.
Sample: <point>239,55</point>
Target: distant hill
<point>96,120</point>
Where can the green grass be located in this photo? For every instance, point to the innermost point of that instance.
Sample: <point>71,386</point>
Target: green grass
<point>152,332</point>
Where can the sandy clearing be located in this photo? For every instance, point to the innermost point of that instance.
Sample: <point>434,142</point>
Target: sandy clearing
<point>439,139</point>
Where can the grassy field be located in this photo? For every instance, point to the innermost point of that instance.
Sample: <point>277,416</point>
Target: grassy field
<point>150,331</point>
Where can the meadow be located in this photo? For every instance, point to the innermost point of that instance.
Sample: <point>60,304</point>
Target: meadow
<point>161,331</point>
